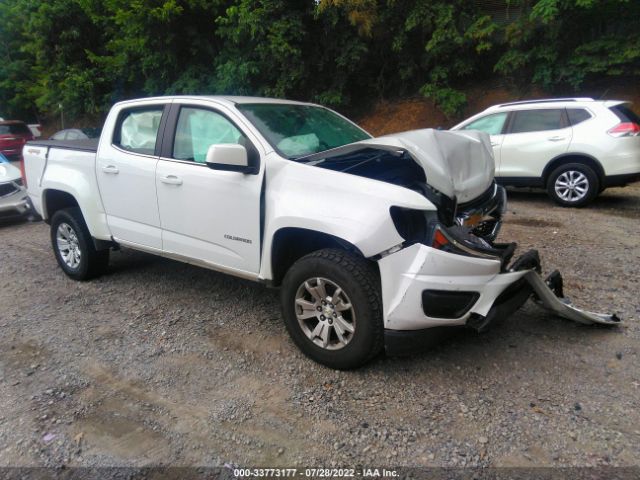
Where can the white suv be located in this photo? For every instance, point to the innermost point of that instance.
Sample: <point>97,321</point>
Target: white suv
<point>573,147</point>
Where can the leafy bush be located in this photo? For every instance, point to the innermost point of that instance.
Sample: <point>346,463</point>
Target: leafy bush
<point>84,55</point>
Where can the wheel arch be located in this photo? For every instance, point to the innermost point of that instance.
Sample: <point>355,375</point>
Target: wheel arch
<point>292,243</point>
<point>54,200</point>
<point>567,158</point>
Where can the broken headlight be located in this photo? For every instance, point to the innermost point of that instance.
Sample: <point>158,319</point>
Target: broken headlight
<point>412,225</point>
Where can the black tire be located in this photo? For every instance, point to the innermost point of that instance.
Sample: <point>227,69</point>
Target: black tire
<point>359,281</point>
<point>91,262</point>
<point>575,198</point>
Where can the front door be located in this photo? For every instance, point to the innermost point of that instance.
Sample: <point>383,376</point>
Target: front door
<point>493,124</point>
<point>210,216</point>
<point>126,173</point>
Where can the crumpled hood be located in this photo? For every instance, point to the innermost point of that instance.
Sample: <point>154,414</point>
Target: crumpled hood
<point>456,164</point>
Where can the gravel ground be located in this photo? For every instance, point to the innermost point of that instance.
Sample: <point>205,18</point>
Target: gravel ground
<point>159,362</point>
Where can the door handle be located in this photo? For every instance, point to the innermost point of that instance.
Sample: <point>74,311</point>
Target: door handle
<point>495,144</point>
<point>557,138</point>
<point>171,180</point>
<point>110,169</point>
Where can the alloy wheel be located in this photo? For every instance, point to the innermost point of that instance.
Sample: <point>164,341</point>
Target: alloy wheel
<point>325,313</point>
<point>68,245</point>
<point>572,185</point>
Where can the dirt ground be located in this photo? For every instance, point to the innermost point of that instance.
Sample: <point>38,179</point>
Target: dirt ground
<point>161,363</point>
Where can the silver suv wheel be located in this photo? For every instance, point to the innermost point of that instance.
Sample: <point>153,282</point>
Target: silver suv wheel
<point>325,313</point>
<point>572,186</point>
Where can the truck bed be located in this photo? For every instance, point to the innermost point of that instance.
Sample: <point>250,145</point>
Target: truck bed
<point>88,145</point>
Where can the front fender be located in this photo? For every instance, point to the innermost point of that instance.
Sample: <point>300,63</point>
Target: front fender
<point>345,206</point>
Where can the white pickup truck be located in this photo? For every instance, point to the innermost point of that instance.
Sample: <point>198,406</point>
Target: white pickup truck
<point>375,242</point>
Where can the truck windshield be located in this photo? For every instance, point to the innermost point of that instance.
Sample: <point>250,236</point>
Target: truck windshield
<point>299,130</point>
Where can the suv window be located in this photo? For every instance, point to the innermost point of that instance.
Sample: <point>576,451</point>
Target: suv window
<point>536,120</point>
<point>198,129</point>
<point>137,130</point>
<point>491,124</point>
<point>625,114</point>
<point>577,115</point>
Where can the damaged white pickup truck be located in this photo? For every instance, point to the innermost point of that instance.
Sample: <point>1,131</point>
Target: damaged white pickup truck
<point>375,242</point>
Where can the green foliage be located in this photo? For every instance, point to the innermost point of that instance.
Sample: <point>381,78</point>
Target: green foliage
<point>84,55</point>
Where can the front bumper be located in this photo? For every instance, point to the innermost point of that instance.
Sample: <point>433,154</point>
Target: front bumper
<point>15,204</point>
<point>478,290</point>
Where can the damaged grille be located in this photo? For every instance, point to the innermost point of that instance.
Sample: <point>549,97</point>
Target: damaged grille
<point>486,228</point>
<point>483,216</point>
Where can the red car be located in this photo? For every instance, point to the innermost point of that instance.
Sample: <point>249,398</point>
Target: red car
<point>13,135</point>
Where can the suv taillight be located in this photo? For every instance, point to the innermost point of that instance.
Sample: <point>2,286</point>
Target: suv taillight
<point>22,172</point>
<point>625,129</point>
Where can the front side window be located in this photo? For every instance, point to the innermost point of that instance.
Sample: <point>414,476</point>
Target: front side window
<point>137,130</point>
<point>491,124</point>
<point>299,130</point>
<point>537,120</point>
<point>198,129</point>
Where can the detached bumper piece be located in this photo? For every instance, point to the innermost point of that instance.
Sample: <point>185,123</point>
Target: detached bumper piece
<point>429,293</point>
<point>549,294</point>
<point>545,295</point>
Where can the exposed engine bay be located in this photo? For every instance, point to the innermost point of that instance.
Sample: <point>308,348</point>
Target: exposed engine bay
<point>475,224</point>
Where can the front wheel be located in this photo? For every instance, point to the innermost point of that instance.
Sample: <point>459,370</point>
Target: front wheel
<point>573,185</point>
<point>332,308</point>
<point>73,246</point>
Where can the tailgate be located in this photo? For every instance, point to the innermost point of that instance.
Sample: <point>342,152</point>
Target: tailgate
<point>35,162</point>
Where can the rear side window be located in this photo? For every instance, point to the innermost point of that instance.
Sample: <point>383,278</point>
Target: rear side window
<point>14,129</point>
<point>625,114</point>
<point>137,130</point>
<point>537,120</point>
<point>491,124</point>
<point>577,115</point>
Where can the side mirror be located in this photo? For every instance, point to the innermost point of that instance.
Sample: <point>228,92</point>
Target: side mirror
<point>229,157</point>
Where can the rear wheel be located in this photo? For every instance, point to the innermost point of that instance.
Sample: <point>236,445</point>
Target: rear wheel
<point>332,308</point>
<point>73,246</point>
<point>573,185</point>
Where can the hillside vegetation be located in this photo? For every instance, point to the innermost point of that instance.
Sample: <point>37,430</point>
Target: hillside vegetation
<point>79,56</point>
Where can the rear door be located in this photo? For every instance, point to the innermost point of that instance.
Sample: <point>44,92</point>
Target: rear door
<point>210,216</point>
<point>533,138</point>
<point>494,124</point>
<point>126,169</point>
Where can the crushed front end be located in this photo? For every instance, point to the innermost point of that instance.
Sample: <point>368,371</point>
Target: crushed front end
<point>450,272</point>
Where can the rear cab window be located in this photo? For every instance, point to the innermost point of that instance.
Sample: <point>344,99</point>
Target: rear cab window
<point>538,120</point>
<point>137,129</point>
<point>492,124</point>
